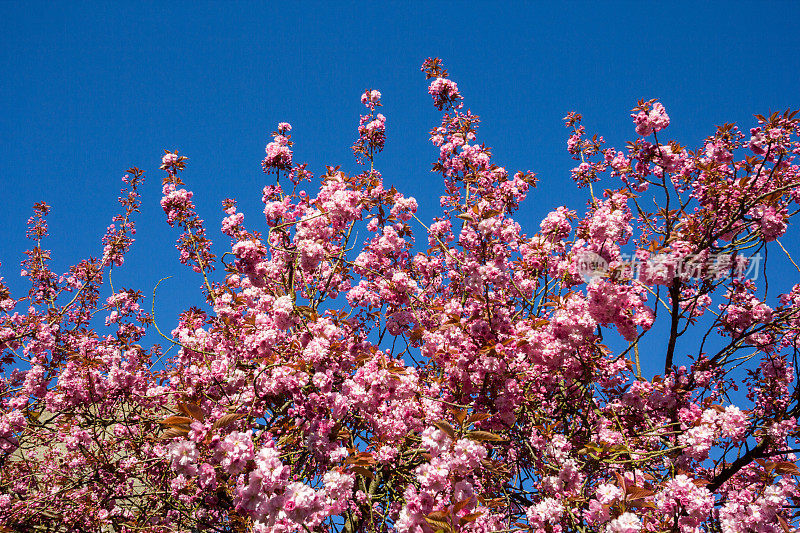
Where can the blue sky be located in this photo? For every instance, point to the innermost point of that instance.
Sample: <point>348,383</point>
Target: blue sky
<point>90,89</point>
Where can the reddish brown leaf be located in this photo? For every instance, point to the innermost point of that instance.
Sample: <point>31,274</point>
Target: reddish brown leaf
<point>416,334</point>
<point>460,505</point>
<point>640,504</point>
<point>361,470</point>
<point>439,515</point>
<point>459,415</point>
<point>362,458</point>
<point>226,420</point>
<point>469,518</point>
<point>638,493</point>
<point>495,503</point>
<point>477,417</point>
<point>620,481</point>
<point>785,467</point>
<point>484,435</point>
<point>307,312</point>
<point>171,433</point>
<point>446,427</point>
<point>176,421</point>
<point>191,409</point>
<point>438,524</point>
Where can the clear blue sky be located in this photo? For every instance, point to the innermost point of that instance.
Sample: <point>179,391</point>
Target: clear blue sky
<point>89,89</point>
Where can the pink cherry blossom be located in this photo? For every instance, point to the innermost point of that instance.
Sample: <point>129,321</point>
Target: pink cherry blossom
<point>365,361</point>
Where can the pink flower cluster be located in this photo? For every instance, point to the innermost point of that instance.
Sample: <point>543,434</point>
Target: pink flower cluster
<point>444,92</point>
<point>338,377</point>
<point>279,153</point>
<point>651,118</point>
<point>371,98</point>
<point>371,128</point>
<point>717,423</point>
<point>175,202</point>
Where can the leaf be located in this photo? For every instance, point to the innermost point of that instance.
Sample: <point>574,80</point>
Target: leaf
<point>639,504</point>
<point>772,198</point>
<point>362,458</point>
<point>460,505</point>
<point>363,471</point>
<point>171,433</point>
<point>621,481</point>
<point>618,449</point>
<point>226,420</point>
<point>446,427</point>
<point>438,524</point>
<point>484,435</point>
<point>477,417</point>
<point>784,524</point>
<point>416,334</point>
<point>495,503</point>
<point>439,515</point>
<point>307,312</point>
<point>785,467</point>
<point>638,493</point>
<point>590,447</point>
<point>191,409</point>
<point>459,414</point>
<point>176,421</point>
<point>453,321</point>
<point>469,518</point>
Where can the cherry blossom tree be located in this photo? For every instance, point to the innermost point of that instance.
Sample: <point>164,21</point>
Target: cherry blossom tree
<point>459,374</point>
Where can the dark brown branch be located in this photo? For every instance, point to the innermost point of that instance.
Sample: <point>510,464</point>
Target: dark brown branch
<point>675,294</point>
<point>731,470</point>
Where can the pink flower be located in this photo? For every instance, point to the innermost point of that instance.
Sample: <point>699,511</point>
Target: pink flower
<point>556,226</point>
<point>183,455</point>
<point>207,477</point>
<point>607,493</point>
<point>624,523</point>
<point>692,501</point>
<point>282,312</point>
<point>773,222</point>
<point>370,98</point>
<point>279,156</point>
<point>443,91</point>
<point>647,122</point>
<point>547,512</point>
<point>238,449</point>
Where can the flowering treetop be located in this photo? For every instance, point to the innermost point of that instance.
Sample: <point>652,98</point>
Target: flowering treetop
<point>454,375</point>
